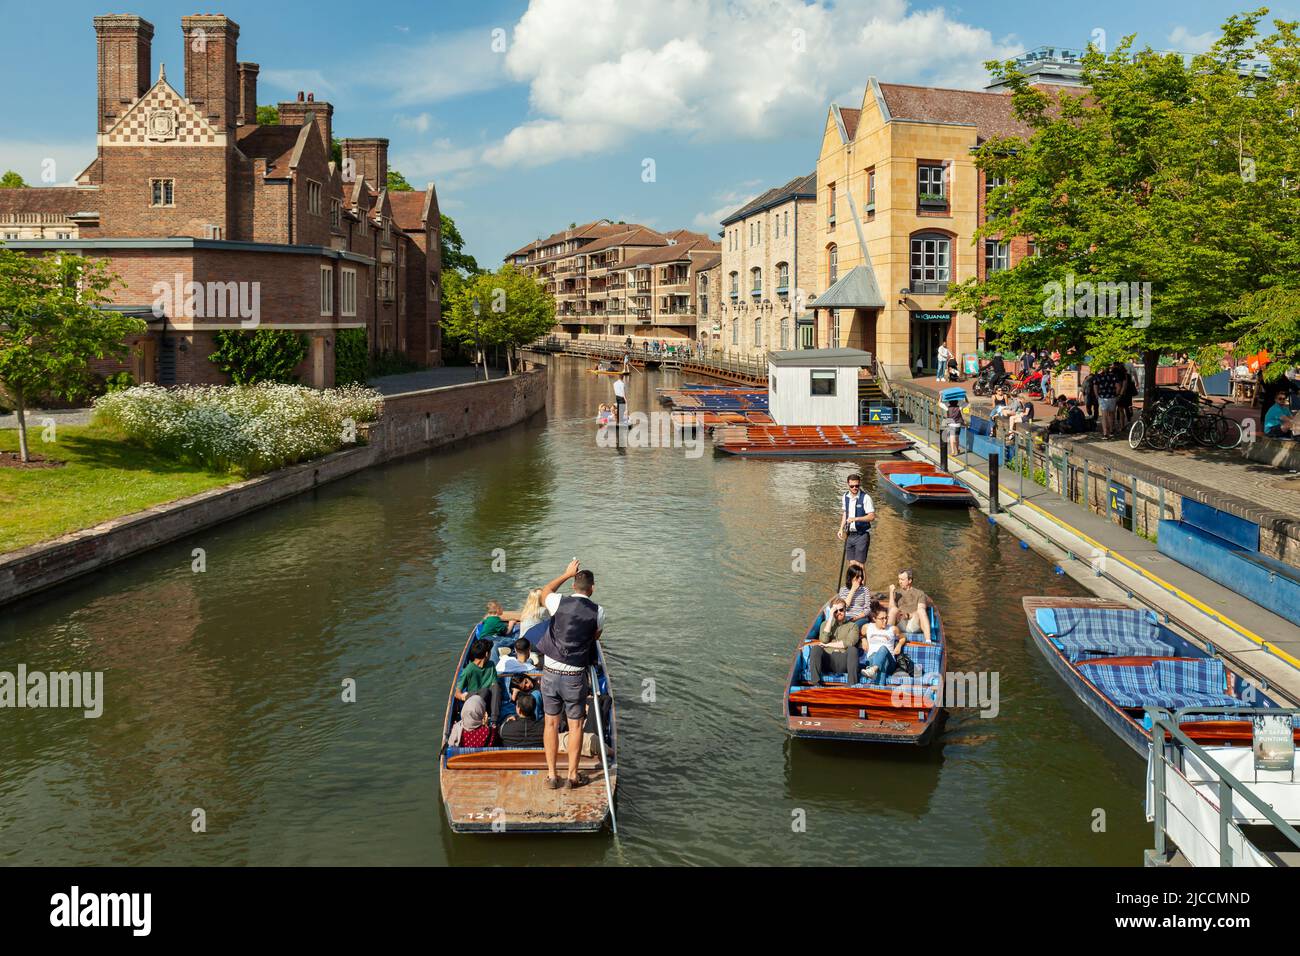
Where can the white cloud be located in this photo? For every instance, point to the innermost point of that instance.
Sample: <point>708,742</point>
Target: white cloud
<point>1185,41</point>
<point>731,201</point>
<point>419,123</point>
<point>29,159</point>
<point>709,69</point>
<point>439,66</point>
<point>293,80</point>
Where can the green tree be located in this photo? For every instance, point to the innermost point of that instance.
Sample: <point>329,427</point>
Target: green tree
<point>514,309</point>
<point>452,245</point>
<point>397,182</point>
<point>11,180</point>
<point>1166,172</point>
<point>52,324</point>
<point>268,115</point>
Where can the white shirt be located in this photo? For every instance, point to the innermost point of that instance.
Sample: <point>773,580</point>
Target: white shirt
<point>876,638</point>
<point>944,354</point>
<point>620,389</point>
<point>553,605</point>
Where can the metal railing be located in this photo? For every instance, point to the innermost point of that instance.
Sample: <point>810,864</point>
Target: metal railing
<point>1163,755</point>
<point>720,362</point>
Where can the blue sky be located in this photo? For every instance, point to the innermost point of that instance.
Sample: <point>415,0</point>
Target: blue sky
<point>550,118</point>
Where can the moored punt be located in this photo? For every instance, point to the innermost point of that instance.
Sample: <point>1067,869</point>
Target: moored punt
<point>919,482</point>
<point>503,789</point>
<point>904,710</point>
<point>808,441</point>
<point>712,420</point>
<point>1120,661</point>
<point>606,371</point>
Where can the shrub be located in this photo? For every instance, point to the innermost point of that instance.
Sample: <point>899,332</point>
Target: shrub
<point>247,429</point>
<point>267,355</point>
<point>119,382</point>
<point>351,357</point>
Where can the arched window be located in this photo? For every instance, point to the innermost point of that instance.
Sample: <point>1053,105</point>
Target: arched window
<point>833,262</point>
<point>735,284</point>
<point>782,277</point>
<point>756,281</point>
<point>785,333</point>
<point>735,332</point>
<point>758,333</point>
<point>931,262</point>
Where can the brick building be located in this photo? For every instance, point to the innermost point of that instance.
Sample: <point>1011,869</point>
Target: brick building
<point>215,222</point>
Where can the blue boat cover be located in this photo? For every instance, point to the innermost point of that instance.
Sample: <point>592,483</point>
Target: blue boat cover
<point>1103,632</point>
<point>1138,687</point>
<point>908,479</point>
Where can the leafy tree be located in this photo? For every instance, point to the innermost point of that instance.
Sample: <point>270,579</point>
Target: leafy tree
<point>514,309</point>
<point>268,115</point>
<point>265,355</point>
<point>451,244</point>
<point>1165,172</point>
<point>11,180</point>
<point>397,182</point>
<point>52,325</point>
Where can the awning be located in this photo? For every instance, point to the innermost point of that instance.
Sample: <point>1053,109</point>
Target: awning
<point>856,289</point>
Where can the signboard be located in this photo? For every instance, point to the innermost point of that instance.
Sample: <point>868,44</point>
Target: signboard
<point>880,415</point>
<point>932,316</point>
<point>1066,384</point>
<point>1273,743</point>
<point>1118,496</point>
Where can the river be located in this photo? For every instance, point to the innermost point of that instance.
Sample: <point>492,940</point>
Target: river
<point>223,687</point>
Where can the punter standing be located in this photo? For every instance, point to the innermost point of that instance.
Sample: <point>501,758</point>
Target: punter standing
<point>570,648</point>
<point>620,398</point>
<point>857,511</point>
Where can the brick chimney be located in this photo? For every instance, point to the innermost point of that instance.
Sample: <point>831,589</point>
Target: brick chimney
<point>295,113</point>
<point>211,76</point>
<point>125,69</point>
<point>371,156</point>
<point>247,94</point>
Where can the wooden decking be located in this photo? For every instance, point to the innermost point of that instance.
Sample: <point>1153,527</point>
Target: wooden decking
<point>811,441</point>
<point>513,800</point>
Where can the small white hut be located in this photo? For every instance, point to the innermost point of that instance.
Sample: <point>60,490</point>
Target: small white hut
<point>815,386</point>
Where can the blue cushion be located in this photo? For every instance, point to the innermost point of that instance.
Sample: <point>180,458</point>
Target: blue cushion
<point>1195,677</point>
<point>1046,619</point>
<point>909,479</point>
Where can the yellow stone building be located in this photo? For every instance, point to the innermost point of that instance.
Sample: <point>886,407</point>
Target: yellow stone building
<point>897,177</point>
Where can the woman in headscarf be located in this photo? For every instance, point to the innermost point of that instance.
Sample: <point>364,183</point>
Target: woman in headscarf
<point>472,730</point>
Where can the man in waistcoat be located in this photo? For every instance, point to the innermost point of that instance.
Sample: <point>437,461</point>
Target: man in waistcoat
<point>570,648</point>
<point>856,514</point>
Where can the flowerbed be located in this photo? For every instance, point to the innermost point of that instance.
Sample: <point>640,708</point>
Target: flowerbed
<point>247,429</point>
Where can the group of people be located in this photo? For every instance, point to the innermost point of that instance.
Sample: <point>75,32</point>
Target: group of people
<point>855,621</point>
<point>546,680</point>
<point>1108,394</point>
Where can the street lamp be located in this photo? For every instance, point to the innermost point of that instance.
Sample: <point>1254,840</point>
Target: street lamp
<point>477,307</point>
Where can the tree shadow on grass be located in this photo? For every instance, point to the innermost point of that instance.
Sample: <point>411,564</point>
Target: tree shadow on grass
<point>95,451</point>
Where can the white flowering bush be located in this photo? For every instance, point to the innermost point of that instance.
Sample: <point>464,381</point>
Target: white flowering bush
<point>249,429</point>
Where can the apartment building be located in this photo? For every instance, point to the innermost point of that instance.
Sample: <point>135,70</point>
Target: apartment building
<point>708,302</point>
<point>897,177</point>
<point>194,204</point>
<point>769,269</point>
<point>619,279</point>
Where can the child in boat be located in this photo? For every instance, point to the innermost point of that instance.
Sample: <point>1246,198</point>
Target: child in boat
<point>478,679</point>
<point>605,413</point>
<point>523,659</point>
<point>884,644</point>
<point>496,623</point>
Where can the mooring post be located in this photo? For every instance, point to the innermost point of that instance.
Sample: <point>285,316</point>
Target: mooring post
<point>943,454</point>
<point>995,464</point>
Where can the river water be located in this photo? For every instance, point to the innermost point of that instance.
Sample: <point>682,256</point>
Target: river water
<point>223,688</point>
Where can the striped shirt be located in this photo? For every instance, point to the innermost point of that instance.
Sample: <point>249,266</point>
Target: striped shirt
<point>861,601</point>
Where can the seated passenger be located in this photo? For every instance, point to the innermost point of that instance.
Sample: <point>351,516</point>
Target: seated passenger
<point>533,613</point>
<point>884,644</point>
<point>496,623</point>
<point>855,594</point>
<point>837,651</point>
<point>522,660</point>
<point>524,686</point>
<point>523,728</point>
<point>473,729</point>
<point>479,679</point>
<point>909,610</point>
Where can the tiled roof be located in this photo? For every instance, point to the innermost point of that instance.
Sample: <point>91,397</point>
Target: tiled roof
<point>850,117</point>
<point>989,113</point>
<point>630,235</point>
<point>670,253</point>
<point>711,262</point>
<point>408,209</point>
<point>53,200</point>
<point>799,187</point>
<point>275,143</point>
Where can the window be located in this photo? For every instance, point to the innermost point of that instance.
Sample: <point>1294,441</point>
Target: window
<point>386,282</point>
<point>313,198</point>
<point>164,192</point>
<point>735,284</point>
<point>871,190</point>
<point>361,225</point>
<point>782,277</point>
<point>991,183</point>
<point>830,211</point>
<point>930,270</point>
<point>348,292</point>
<point>997,255</point>
<point>10,236</point>
<point>929,185</point>
<point>1033,250</point>
<point>756,281</point>
<point>787,222</point>
<point>336,213</point>
<point>785,334</point>
<point>326,290</point>
<point>735,333</point>
<point>388,229</point>
<point>58,235</point>
<point>833,262</point>
<point>758,333</point>
<point>835,328</point>
<point>822,381</point>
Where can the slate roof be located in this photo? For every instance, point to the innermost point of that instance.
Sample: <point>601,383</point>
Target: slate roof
<point>801,187</point>
<point>856,289</point>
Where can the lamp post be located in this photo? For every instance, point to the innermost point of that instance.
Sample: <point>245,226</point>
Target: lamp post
<point>477,307</point>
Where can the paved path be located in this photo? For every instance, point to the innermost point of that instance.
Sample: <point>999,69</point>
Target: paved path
<point>428,378</point>
<point>61,416</point>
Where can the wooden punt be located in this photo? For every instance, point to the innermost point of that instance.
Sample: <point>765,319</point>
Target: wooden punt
<point>919,482</point>
<point>712,420</point>
<point>808,441</point>
<point>904,711</point>
<point>1089,642</point>
<point>503,789</point>
<point>614,372</point>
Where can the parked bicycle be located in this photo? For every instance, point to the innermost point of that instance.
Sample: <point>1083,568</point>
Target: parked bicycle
<point>1180,419</point>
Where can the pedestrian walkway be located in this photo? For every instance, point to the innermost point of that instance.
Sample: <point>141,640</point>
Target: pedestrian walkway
<point>61,416</point>
<point>429,378</point>
<point>1113,562</point>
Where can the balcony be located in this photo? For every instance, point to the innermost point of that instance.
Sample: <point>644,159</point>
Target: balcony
<point>756,291</point>
<point>641,285</point>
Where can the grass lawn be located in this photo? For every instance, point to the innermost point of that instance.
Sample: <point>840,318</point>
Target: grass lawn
<point>105,477</point>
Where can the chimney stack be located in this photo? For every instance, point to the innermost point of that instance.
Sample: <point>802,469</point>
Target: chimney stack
<point>371,157</point>
<point>247,94</point>
<point>211,74</point>
<point>296,113</point>
<point>125,71</point>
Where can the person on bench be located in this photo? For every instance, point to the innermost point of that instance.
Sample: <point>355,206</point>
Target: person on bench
<point>521,661</point>
<point>909,610</point>
<point>523,729</point>
<point>523,685</point>
<point>473,729</point>
<point>837,651</point>
<point>884,644</point>
<point>496,623</point>
<point>1278,420</point>
<point>478,678</point>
